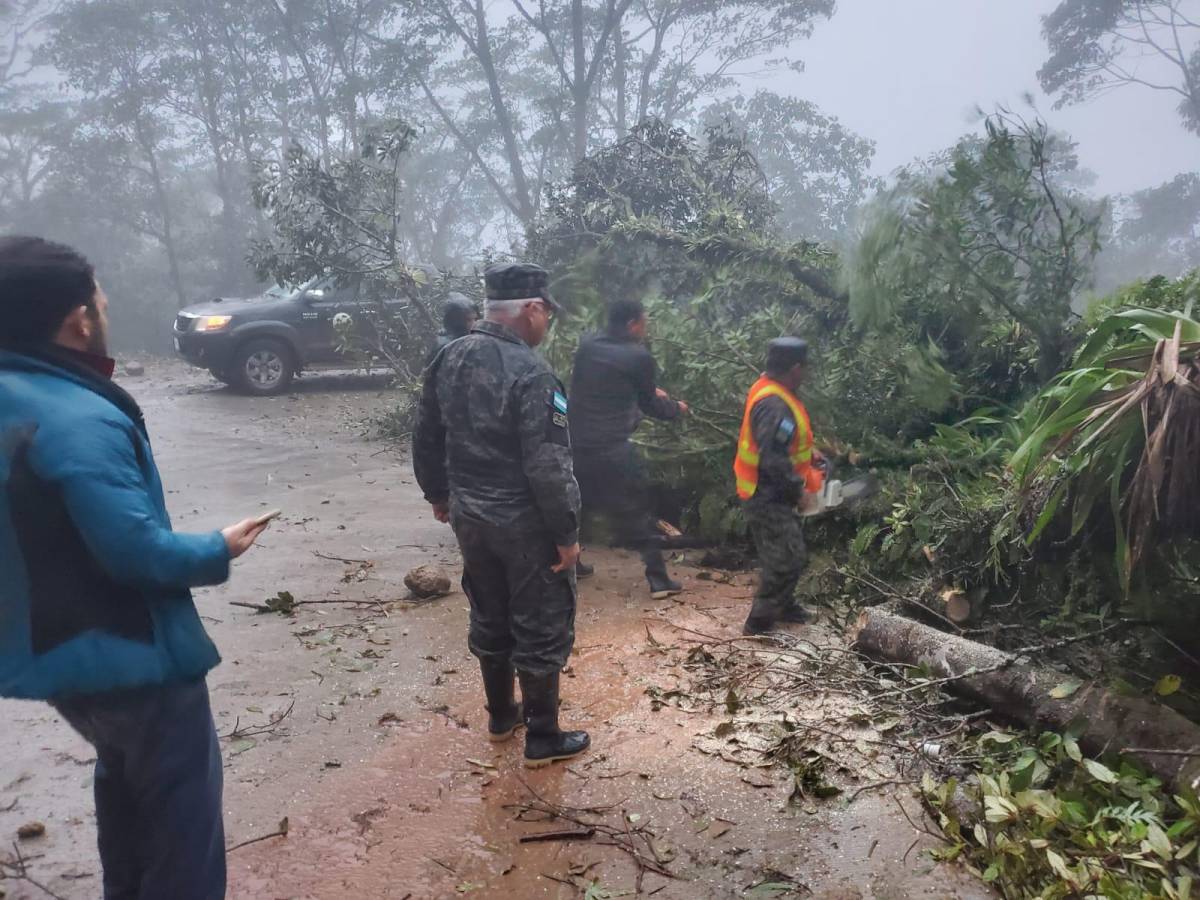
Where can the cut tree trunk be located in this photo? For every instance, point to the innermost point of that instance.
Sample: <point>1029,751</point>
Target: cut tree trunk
<point>1104,722</point>
<point>957,605</point>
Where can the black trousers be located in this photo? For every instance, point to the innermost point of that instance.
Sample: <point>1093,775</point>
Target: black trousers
<point>613,484</point>
<point>520,610</point>
<point>158,790</point>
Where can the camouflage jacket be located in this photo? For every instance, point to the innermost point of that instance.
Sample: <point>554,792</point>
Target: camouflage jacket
<point>492,437</point>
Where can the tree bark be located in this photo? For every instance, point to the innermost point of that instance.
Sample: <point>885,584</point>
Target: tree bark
<point>620,77</point>
<point>1105,722</point>
<point>512,150</point>
<point>580,88</point>
<point>164,211</point>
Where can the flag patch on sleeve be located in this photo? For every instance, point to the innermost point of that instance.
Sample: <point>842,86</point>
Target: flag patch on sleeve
<point>783,434</point>
<point>558,409</point>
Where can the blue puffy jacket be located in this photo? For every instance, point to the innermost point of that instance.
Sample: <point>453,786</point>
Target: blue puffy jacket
<point>94,584</point>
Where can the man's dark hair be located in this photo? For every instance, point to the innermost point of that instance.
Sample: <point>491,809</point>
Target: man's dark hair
<point>457,315</point>
<point>785,352</point>
<point>621,313</point>
<point>41,282</point>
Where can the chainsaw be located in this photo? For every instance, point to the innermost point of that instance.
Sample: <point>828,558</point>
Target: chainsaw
<point>835,493</point>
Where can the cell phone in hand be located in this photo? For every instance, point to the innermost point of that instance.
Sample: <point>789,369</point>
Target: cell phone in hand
<point>267,517</point>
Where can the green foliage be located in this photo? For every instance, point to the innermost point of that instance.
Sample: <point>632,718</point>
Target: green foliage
<point>817,171</point>
<point>687,227</point>
<point>1158,293</point>
<point>992,242</point>
<point>343,219</point>
<point>956,505</point>
<point>1120,433</point>
<point>1097,46</point>
<point>1051,823</point>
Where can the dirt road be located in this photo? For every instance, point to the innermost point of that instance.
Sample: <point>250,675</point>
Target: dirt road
<point>359,718</point>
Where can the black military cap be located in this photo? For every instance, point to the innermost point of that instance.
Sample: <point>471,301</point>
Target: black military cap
<point>785,352</point>
<point>518,281</point>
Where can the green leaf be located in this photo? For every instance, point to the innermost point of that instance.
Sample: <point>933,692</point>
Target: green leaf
<point>1047,514</point>
<point>1100,772</point>
<point>999,737</point>
<point>1167,685</point>
<point>771,889</point>
<point>1066,689</point>
<point>1059,865</point>
<point>241,746</point>
<point>1158,841</point>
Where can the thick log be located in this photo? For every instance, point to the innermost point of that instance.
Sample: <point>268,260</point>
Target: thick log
<point>1105,722</point>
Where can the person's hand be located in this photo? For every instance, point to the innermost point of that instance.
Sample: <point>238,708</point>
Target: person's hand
<point>567,557</point>
<point>241,537</point>
<point>661,394</point>
<point>441,512</point>
<point>684,409</point>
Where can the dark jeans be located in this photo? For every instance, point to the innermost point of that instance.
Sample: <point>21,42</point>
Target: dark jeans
<point>520,610</point>
<point>782,557</point>
<point>158,790</point>
<point>613,484</point>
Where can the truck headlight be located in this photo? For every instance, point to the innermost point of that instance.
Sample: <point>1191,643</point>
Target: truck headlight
<point>212,323</point>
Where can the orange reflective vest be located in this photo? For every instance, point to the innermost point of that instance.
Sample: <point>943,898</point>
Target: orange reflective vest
<point>800,451</point>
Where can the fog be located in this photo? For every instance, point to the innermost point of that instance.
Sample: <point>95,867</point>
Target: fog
<point>910,76</point>
<point>210,148</point>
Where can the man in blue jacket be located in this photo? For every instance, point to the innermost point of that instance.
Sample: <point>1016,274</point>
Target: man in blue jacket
<point>96,615</point>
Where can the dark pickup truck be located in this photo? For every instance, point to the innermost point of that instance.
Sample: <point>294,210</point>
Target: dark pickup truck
<point>259,344</point>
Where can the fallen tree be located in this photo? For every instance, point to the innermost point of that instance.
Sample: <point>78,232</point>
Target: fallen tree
<point>1160,740</point>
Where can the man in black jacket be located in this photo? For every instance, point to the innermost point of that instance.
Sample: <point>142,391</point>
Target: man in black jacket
<point>492,453</point>
<point>458,318</point>
<point>613,386</point>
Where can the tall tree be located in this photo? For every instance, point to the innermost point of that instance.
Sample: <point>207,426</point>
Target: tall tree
<point>558,77</point>
<point>817,170</point>
<point>1098,45</point>
<point>992,233</point>
<point>112,54</point>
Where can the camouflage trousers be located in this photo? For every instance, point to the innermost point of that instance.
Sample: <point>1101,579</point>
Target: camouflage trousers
<point>782,557</point>
<point>520,610</point>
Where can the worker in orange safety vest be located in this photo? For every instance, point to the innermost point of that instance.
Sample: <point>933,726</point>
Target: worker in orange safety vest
<point>775,467</point>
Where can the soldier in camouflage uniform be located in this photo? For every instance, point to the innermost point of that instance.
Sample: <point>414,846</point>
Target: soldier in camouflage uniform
<point>776,465</point>
<point>492,454</point>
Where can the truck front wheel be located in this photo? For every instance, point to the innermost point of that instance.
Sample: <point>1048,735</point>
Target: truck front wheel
<point>263,367</point>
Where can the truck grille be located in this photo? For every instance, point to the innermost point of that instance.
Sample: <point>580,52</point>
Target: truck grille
<point>183,323</point>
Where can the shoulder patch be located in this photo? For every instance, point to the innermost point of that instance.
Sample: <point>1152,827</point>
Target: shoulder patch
<point>785,431</point>
<point>558,410</point>
<point>557,426</point>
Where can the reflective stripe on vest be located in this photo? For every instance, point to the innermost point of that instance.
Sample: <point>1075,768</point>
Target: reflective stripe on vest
<point>745,465</point>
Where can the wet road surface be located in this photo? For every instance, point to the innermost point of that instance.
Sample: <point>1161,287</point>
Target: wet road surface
<point>359,718</point>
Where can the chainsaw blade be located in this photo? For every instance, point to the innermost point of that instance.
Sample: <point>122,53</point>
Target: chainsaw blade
<point>859,489</point>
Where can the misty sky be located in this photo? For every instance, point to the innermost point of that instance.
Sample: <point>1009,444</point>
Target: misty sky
<point>908,74</point>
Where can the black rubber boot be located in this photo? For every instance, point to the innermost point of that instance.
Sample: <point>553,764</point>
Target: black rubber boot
<point>544,742</point>
<point>505,714</point>
<point>661,586</point>
<point>583,570</point>
<point>795,614</point>
<point>755,626</point>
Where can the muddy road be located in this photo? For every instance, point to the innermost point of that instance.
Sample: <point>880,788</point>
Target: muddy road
<point>359,718</point>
